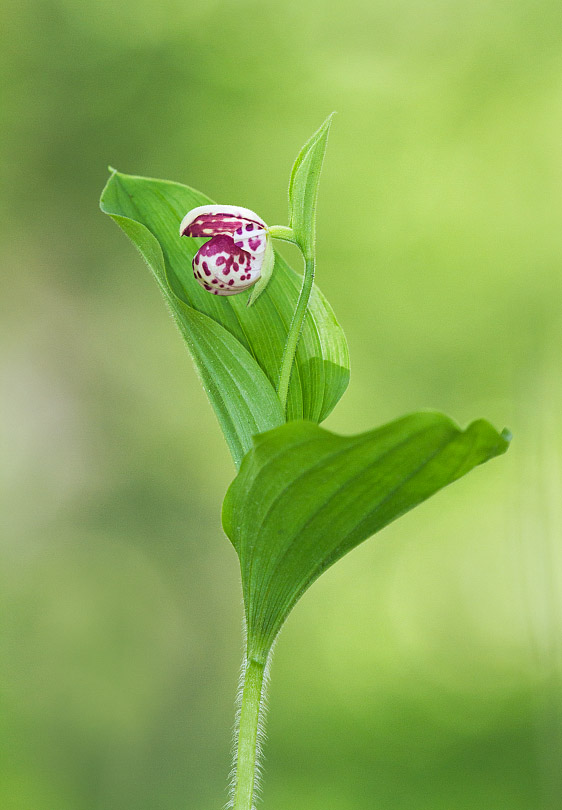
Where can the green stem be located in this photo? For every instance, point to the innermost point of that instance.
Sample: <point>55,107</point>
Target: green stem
<point>295,332</point>
<point>283,232</point>
<point>248,736</point>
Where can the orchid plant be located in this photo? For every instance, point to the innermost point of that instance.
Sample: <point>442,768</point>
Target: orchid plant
<point>274,362</point>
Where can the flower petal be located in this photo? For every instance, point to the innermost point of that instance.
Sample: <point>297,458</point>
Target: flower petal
<point>210,220</point>
<point>250,237</point>
<point>222,268</point>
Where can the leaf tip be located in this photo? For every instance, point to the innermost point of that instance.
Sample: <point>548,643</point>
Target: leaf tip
<point>489,439</point>
<point>102,200</point>
<point>325,126</point>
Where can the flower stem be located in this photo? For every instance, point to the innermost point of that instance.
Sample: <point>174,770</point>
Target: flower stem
<point>250,710</point>
<point>282,232</point>
<point>295,332</point>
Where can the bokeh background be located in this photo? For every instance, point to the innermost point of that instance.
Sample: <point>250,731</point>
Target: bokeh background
<point>423,672</point>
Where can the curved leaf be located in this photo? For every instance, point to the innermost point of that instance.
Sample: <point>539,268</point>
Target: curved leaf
<point>322,364</point>
<point>244,400</point>
<point>304,497</point>
<point>303,187</point>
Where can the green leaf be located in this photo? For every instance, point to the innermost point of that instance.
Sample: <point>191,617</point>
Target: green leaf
<point>304,497</point>
<point>303,188</point>
<point>150,211</point>
<point>244,400</point>
<point>266,272</point>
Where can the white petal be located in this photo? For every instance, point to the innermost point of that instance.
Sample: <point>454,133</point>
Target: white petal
<point>216,210</point>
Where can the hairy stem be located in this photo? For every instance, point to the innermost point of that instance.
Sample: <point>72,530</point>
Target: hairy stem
<point>250,710</point>
<point>295,332</point>
<point>284,233</point>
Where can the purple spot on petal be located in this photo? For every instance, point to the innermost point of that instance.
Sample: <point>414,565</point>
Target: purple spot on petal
<point>221,259</point>
<point>231,282</point>
<point>249,227</point>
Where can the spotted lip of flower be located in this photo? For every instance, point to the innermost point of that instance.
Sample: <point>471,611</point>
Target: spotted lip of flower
<point>232,259</point>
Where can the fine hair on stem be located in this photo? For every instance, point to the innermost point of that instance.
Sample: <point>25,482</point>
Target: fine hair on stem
<point>261,732</point>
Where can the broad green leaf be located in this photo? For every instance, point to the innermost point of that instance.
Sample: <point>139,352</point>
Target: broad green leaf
<point>154,208</point>
<point>304,497</point>
<point>244,400</point>
<point>303,187</point>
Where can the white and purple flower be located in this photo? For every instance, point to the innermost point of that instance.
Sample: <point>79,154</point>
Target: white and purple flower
<point>231,261</point>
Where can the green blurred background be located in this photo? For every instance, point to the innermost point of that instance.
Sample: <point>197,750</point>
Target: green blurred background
<point>423,672</point>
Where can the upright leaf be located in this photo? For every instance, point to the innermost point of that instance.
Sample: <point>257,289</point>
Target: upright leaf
<point>303,188</point>
<point>304,497</point>
<point>154,208</point>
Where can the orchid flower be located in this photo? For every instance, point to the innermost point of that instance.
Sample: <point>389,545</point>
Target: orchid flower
<point>232,260</point>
